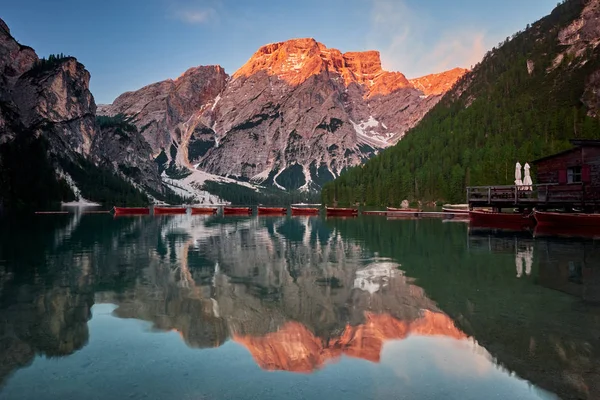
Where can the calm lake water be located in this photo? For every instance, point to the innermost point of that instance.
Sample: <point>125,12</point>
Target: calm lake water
<point>181,307</point>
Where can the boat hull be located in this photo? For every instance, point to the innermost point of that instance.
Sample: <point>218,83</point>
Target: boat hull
<point>305,211</point>
<point>406,210</point>
<point>455,210</point>
<point>237,211</point>
<point>500,220</point>
<point>203,210</point>
<point>342,212</point>
<point>272,211</point>
<point>567,220</point>
<point>169,210</point>
<point>132,211</point>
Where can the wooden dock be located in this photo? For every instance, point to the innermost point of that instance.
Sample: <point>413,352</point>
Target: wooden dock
<point>417,214</point>
<point>542,197</point>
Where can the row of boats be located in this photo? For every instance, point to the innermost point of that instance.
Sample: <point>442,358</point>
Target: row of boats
<point>233,211</point>
<point>479,217</point>
<point>330,211</point>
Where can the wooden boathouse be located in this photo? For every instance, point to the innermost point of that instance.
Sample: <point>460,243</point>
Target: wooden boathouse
<point>567,180</point>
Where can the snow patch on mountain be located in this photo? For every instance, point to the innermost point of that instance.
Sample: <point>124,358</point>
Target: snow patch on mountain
<point>365,130</point>
<point>308,180</point>
<point>275,180</point>
<point>215,102</point>
<point>262,176</point>
<point>192,186</point>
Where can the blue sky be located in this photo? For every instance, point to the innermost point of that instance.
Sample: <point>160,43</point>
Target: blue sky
<point>127,44</point>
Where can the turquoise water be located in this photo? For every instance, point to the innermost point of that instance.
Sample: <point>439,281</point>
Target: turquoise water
<point>208,307</point>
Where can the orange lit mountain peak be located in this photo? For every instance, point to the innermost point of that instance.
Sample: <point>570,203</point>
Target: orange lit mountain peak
<point>294,348</point>
<point>296,60</point>
<point>435,84</point>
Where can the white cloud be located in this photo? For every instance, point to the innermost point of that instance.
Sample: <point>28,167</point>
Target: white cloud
<point>412,43</point>
<point>195,16</point>
<point>194,11</point>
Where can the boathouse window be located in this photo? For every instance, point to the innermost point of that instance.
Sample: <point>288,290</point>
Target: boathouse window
<point>574,174</point>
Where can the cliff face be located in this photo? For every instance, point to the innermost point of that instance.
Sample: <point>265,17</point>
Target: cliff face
<point>124,150</point>
<point>580,36</point>
<point>294,116</point>
<point>55,101</point>
<point>168,112</point>
<point>15,59</point>
<point>296,60</point>
<point>48,98</point>
<point>437,84</point>
<point>49,101</point>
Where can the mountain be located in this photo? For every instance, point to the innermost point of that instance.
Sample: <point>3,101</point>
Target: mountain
<point>294,116</point>
<point>524,100</point>
<point>51,143</point>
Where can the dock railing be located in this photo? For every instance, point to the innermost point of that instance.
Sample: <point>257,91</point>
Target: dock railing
<point>525,195</point>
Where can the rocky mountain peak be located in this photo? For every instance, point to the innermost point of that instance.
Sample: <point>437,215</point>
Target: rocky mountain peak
<point>294,116</point>
<point>4,29</point>
<point>436,84</point>
<point>15,58</point>
<point>296,60</point>
<point>167,111</point>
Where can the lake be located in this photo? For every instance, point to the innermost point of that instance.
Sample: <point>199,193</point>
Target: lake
<point>211,307</point>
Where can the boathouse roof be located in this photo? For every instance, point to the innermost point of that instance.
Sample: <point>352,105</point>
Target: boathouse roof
<point>577,143</point>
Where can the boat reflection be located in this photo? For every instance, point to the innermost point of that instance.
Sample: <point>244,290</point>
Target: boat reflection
<point>570,264</point>
<point>585,232</point>
<point>571,267</point>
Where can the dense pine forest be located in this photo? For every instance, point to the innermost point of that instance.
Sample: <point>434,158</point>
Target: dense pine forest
<point>519,104</point>
<point>27,177</point>
<point>238,194</point>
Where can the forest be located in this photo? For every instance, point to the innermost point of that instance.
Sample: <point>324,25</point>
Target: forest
<point>47,64</point>
<point>521,102</point>
<point>102,185</point>
<point>27,177</point>
<point>238,194</point>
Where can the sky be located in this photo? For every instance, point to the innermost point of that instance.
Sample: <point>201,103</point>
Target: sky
<point>127,44</point>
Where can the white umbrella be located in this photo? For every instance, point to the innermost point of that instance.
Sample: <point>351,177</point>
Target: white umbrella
<point>518,181</point>
<point>527,180</point>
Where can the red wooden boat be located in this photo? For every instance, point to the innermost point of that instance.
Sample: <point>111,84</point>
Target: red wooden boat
<point>131,210</point>
<point>272,211</point>
<point>237,210</point>
<point>305,211</point>
<point>342,212</point>
<point>567,219</point>
<point>169,210</point>
<point>203,210</point>
<point>406,210</point>
<point>500,220</point>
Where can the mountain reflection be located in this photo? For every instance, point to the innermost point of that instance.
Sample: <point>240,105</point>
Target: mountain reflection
<point>299,293</point>
<point>295,348</point>
<point>293,296</point>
